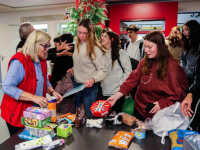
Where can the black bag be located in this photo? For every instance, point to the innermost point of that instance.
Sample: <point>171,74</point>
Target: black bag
<point>134,64</point>
<point>64,85</point>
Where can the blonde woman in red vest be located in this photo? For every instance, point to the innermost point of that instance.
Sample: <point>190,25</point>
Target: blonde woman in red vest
<point>26,81</point>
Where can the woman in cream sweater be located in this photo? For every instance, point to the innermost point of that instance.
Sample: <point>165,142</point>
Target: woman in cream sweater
<point>88,64</point>
<point>116,73</point>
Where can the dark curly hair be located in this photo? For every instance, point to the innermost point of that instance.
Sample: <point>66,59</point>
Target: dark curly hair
<point>175,37</point>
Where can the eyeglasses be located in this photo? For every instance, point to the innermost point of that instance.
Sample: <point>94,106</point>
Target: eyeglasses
<point>46,46</point>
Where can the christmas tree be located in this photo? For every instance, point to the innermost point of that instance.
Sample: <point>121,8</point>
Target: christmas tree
<point>87,9</point>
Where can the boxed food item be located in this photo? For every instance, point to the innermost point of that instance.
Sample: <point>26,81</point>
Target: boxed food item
<point>37,113</point>
<point>35,122</point>
<point>121,140</point>
<point>64,130</point>
<point>100,108</point>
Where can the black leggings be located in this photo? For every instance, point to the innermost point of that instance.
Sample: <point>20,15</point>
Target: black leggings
<point>138,115</point>
<point>12,129</point>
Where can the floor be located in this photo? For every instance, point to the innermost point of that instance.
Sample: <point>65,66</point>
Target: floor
<point>4,134</point>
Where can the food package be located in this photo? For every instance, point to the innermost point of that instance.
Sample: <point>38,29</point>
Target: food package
<point>69,116</point>
<point>128,119</point>
<point>121,140</point>
<point>64,130</point>
<point>35,122</point>
<point>37,113</point>
<point>80,116</point>
<point>177,137</point>
<point>52,107</point>
<point>100,108</point>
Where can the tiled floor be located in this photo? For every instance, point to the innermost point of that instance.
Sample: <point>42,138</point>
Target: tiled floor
<point>4,134</point>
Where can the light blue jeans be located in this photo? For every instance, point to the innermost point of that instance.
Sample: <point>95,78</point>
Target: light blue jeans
<point>87,96</point>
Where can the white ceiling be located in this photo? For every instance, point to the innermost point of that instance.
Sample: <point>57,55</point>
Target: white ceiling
<point>20,5</point>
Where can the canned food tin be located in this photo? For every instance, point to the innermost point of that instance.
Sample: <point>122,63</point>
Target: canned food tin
<point>139,133</point>
<point>51,99</point>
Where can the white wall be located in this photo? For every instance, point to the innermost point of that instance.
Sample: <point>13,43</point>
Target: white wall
<point>189,6</point>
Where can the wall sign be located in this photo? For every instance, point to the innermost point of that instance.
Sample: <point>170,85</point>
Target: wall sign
<point>43,18</point>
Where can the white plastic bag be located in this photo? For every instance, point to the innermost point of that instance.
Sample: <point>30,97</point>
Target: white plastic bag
<point>167,119</point>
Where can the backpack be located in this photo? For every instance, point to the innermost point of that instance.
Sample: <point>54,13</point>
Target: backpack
<point>140,47</point>
<point>64,85</point>
<point>134,64</point>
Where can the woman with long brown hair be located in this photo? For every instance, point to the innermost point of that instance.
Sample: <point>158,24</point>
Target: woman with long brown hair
<point>88,64</point>
<point>162,81</point>
<point>174,43</point>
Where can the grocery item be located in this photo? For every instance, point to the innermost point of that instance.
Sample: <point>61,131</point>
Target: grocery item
<point>121,140</point>
<point>94,123</point>
<point>33,143</point>
<point>128,119</point>
<point>64,130</point>
<point>69,116</point>
<point>100,108</point>
<point>53,144</point>
<point>37,113</point>
<point>177,137</point>
<point>52,107</point>
<point>35,122</point>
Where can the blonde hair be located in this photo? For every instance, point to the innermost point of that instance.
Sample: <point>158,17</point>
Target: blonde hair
<point>31,45</point>
<point>91,39</point>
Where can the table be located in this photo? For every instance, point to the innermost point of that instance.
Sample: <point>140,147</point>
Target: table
<point>84,138</point>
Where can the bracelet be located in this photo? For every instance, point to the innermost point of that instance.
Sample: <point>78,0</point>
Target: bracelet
<point>52,92</point>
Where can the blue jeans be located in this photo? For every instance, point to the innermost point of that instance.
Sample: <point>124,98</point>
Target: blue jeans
<point>87,96</point>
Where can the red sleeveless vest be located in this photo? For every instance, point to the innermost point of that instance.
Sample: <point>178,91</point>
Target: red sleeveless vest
<point>12,109</point>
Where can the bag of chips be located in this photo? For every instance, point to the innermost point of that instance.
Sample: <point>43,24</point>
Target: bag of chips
<point>177,137</point>
<point>70,116</point>
<point>121,140</point>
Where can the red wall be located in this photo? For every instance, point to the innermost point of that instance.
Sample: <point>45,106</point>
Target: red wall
<point>144,11</point>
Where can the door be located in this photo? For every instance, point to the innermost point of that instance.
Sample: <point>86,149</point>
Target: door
<point>9,38</point>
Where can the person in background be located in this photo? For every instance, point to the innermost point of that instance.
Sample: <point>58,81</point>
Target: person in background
<point>190,105</point>
<point>56,41</point>
<point>88,65</point>
<point>190,36</point>
<point>24,30</point>
<point>63,63</point>
<point>158,84</point>
<point>116,73</point>
<point>104,30</point>
<point>135,46</point>
<point>26,82</point>
<point>154,28</point>
<point>174,43</point>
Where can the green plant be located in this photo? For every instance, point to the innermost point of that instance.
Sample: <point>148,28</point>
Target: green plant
<point>87,9</point>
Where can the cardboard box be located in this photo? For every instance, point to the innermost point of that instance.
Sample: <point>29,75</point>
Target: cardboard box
<point>35,122</point>
<point>37,113</point>
<point>64,130</point>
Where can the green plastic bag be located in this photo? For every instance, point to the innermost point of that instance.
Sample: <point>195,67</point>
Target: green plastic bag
<point>128,106</point>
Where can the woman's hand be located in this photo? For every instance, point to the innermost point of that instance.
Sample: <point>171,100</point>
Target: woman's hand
<point>113,99</point>
<point>186,105</point>
<point>65,53</point>
<point>40,100</point>
<point>71,70</point>
<point>58,96</point>
<point>64,46</point>
<point>155,109</point>
<point>89,83</point>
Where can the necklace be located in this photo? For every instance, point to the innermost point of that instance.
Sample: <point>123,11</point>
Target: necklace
<point>148,80</point>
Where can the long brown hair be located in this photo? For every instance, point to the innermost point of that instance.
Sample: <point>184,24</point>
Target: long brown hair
<point>91,39</point>
<point>162,56</point>
<point>175,37</point>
